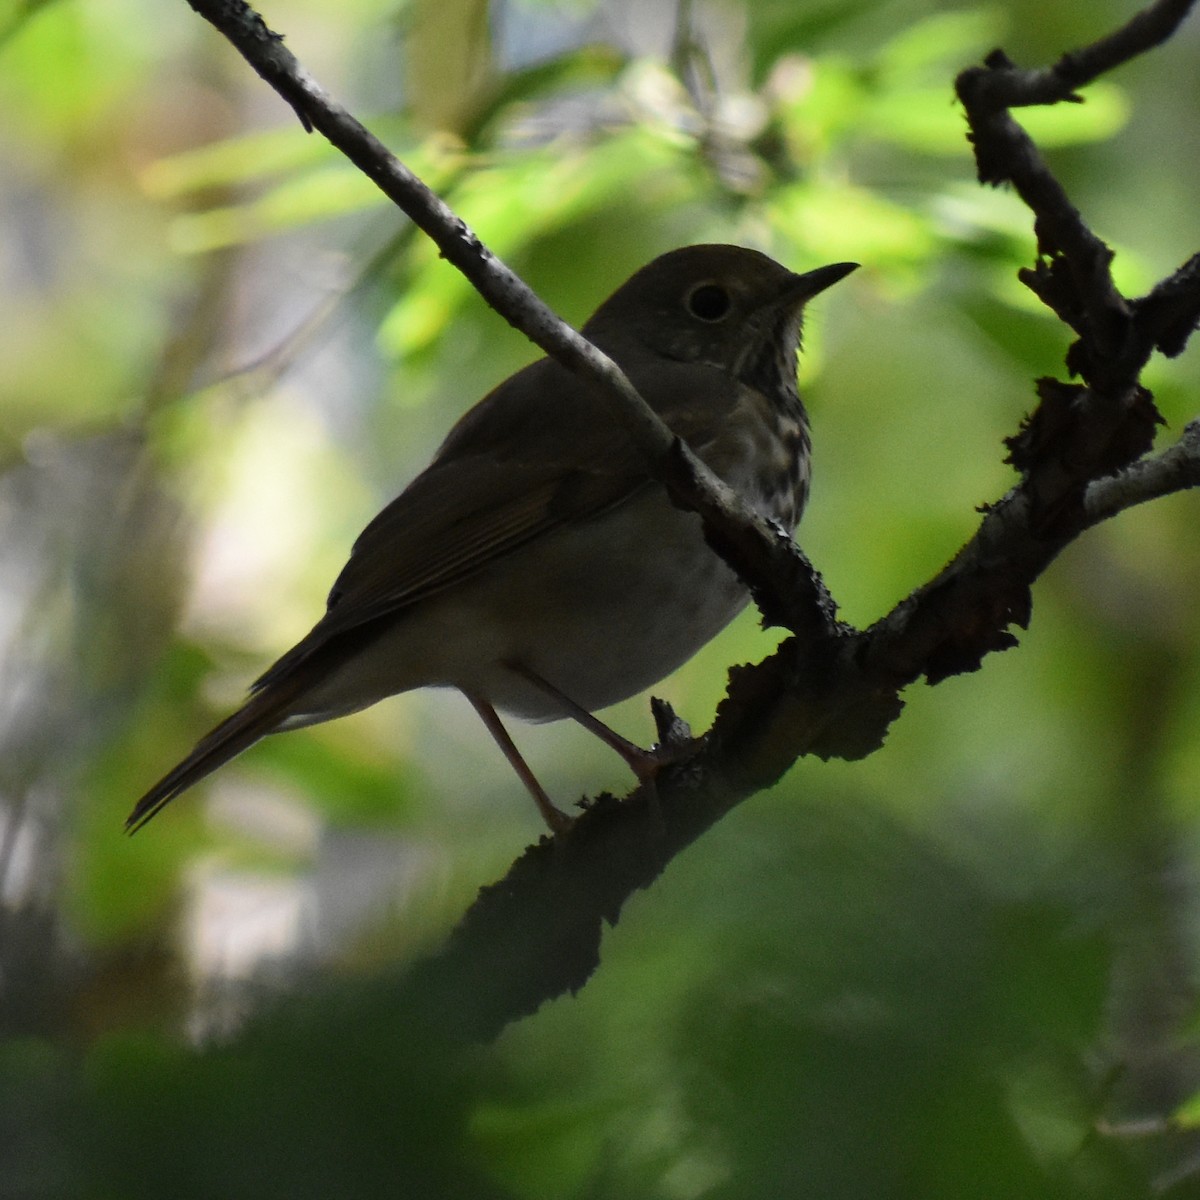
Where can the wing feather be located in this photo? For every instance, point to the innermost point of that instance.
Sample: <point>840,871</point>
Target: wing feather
<point>514,469</point>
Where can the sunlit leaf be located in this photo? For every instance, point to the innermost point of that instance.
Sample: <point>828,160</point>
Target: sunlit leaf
<point>236,160</point>
<point>1104,112</point>
<point>942,40</point>
<point>526,198</point>
<point>845,222</point>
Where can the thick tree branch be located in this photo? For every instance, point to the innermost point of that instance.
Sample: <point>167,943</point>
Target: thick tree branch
<point>828,689</point>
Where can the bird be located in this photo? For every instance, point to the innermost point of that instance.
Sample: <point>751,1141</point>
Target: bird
<point>535,565</point>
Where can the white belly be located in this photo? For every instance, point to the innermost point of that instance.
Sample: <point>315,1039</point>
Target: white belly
<point>601,611</point>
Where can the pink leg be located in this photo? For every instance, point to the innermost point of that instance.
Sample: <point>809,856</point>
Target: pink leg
<point>555,818</point>
<point>645,764</point>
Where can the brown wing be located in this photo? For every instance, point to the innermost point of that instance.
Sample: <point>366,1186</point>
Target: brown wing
<point>540,452</point>
<point>452,521</point>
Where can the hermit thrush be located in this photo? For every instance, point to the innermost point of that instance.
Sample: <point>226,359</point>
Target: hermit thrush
<point>534,565</point>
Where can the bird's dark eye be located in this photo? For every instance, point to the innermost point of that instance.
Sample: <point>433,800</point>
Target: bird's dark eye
<point>709,302</point>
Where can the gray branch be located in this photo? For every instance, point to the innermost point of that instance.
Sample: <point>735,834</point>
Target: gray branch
<point>1174,470</point>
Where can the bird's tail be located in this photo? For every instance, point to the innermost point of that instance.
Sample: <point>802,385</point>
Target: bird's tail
<point>261,714</point>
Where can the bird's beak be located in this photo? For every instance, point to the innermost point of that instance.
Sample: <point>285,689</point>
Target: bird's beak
<point>802,288</point>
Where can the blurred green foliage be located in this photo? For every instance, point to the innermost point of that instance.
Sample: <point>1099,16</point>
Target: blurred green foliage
<point>961,968</point>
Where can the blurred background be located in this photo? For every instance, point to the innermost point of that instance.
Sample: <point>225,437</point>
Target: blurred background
<point>963,967</point>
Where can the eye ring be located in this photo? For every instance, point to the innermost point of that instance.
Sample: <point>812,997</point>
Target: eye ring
<point>709,302</point>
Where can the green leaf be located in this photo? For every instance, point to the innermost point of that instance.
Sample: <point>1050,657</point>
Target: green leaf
<point>235,160</point>
<point>941,40</point>
<point>1104,112</point>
